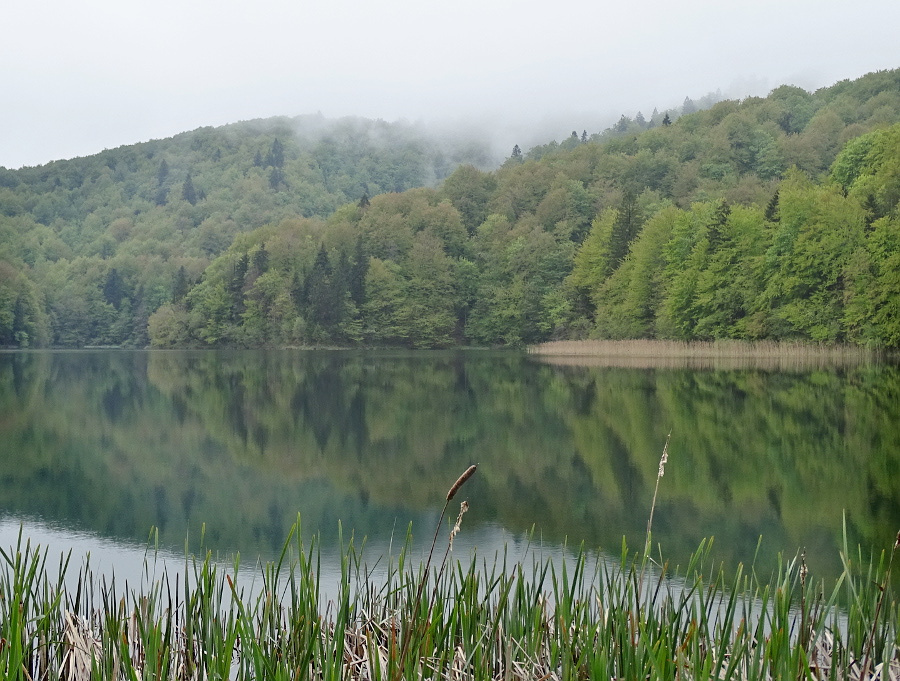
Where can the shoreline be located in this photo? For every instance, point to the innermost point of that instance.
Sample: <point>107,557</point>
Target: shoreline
<point>724,354</point>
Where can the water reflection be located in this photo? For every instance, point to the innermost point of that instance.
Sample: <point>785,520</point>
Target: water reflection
<point>236,444</point>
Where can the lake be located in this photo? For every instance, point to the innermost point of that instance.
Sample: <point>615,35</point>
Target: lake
<point>221,450</point>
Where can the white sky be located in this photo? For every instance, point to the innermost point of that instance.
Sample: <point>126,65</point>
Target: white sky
<point>78,77</point>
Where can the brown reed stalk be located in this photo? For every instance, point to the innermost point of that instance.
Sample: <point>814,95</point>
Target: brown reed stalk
<point>882,587</point>
<point>804,623</point>
<point>407,635</point>
<point>662,471</point>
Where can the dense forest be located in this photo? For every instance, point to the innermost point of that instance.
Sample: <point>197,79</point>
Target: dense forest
<point>765,218</point>
<point>90,247</point>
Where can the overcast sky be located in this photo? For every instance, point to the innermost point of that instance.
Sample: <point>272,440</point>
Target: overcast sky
<point>78,77</point>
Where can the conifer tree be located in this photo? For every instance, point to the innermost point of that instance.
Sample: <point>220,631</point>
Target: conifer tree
<point>277,154</point>
<point>113,288</point>
<point>625,229</point>
<point>771,213</point>
<point>358,272</point>
<point>716,231</point>
<point>261,259</point>
<point>236,286</point>
<point>188,193</point>
<point>162,173</point>
<point>180,285</point>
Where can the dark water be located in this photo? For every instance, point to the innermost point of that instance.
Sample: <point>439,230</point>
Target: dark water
<point>98,447</point>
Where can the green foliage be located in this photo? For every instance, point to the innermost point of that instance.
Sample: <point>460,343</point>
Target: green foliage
<point>528,252</point>
<point>149,209</point>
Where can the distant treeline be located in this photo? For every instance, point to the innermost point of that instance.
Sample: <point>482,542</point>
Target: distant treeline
<point>767,218</point>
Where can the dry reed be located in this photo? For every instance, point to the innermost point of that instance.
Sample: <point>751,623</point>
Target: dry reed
<point>643,353</point>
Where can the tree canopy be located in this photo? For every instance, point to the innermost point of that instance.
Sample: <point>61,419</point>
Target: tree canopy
<point>769,217</point>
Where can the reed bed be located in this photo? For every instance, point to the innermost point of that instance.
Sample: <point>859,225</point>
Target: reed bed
<point>585,617</point>
<point>704,354</point>
<point>576,619</point>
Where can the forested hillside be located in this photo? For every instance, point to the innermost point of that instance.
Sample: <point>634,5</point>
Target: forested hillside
<point>769,217</point>
<point>737,222</point>
<point>90,247</point>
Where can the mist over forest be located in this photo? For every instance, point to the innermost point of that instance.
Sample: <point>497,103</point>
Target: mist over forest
<point>757,218</point>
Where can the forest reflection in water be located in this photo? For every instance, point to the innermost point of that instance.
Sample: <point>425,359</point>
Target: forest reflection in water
<point>112,443</point>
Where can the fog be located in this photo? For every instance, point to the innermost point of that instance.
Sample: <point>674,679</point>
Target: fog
<point>81,77</point>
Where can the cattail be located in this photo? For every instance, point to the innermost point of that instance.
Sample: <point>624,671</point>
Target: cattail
<point>463,507</point>
<point>803,569</point>
<point>664,458</point>
<point>460,481</point>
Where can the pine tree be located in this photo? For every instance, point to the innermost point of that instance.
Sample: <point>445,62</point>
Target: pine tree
<point>113,288</point>
<point>276,178</point>
<point>666,120</point>
<point>261,259</point>
<point>358,272</point>
<point>180,285</point>
<point>324,302</point>
<point>584,136</point>
<point>716,231</point>
<point>277,154</point>
<point>624,230</point>
<point>236,285</point>
<point>188,193</point>
<point>771,213</point>
<point>162,173</point>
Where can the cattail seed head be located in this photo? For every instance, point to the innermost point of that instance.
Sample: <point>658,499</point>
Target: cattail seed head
<point>463,507</point>
<point>664,458</point>
<point>460,481</point>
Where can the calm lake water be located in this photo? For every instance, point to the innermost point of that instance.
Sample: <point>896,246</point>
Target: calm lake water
<point>99,447</point>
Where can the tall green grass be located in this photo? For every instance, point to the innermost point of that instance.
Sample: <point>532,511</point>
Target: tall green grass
<point>585,617</point>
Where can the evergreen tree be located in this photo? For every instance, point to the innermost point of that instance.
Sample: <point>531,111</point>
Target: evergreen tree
<point>277,154</point>
<point>358,272</point>
<point>716,231</point>
<point>261,259</point>
<point>276,178</point>
<point>236,285</point>
<point>163,173</point>
<point>188,193</point>
<point>771,213</point>
<point>114,288</point>
<point>666,120</point>
<point>180,285</point>
<point>625,229</point>
<point>517,153</point>
<point>323,309</point>
<point>584,136</point>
